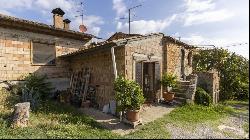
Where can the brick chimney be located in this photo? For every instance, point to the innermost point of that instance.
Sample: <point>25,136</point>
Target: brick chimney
<point>58,18</point>
<point>66,24</point>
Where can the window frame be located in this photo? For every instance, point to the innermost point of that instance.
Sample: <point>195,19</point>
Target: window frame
<point>31,53</point>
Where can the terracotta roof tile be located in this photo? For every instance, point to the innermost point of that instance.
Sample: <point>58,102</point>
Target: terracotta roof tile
<point>22,24</point>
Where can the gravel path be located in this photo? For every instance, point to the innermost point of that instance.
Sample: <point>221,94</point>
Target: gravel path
<point>232,127</point>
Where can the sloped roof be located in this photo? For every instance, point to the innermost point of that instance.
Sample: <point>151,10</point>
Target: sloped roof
<point>178,41</point>
<point>120,35</point>
<point>31,26</point>
<point>110,43</point>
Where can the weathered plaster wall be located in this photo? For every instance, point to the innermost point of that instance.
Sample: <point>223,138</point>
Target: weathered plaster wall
<point>15,56</point>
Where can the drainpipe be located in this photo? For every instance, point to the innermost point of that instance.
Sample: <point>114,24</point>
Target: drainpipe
<point>113,60</point>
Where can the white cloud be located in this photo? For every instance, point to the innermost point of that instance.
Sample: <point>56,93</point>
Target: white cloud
<point>5,12</point>
<point>91,22</point>
<point>206,17</point>
<point>45,6</point>
<point>199,5</point>
<point>239,46</point>
<point>203,11</point>
<point>146,26</point>
<point>120,8</point>
<point>194,39</point>
<point>14,4</point>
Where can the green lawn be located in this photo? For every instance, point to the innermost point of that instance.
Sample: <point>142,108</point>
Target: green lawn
<point>188,115</point>
<point>55,120</point>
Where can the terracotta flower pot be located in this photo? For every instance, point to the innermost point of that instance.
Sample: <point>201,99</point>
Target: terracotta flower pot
<point>168,96</point>
<point>133,115</point>
<point>85,104</point>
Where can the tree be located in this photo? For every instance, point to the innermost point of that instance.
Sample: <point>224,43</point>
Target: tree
<point>233,71</point>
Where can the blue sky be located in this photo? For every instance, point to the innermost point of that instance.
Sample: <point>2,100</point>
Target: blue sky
<point>219,22</point>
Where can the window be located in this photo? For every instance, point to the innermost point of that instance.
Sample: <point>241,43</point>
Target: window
<point>190,58</point>
<point>43,53</point>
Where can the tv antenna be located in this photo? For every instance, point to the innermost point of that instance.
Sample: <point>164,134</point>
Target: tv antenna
<point>129,17</point>
<point>81,27</point>
<point>80,11</point>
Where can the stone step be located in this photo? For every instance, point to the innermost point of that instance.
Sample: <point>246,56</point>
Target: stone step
<point>183,82</point>
<point>180,99</point>
<point>178,102</point>
<point>178,94</point>
<point>180,90</point>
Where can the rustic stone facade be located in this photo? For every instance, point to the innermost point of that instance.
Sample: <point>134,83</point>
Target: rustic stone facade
<point>150,45</point>
<point>172,59</point>
<point>101,69</point>
<point>15,56</point>
<point>146,50</point>
<point>209,81</point>
<point>140,51</point>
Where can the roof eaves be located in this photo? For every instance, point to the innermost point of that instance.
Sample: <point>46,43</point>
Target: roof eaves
<point>179,42</point>
<point>13,22</point>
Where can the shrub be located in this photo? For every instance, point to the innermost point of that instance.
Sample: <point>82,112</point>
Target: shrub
<point>39,84</point>
<point>32,96</point>
<point>34,89</point>
<point>169,80</point>
<point>202,97</point>
<point>233,71</point>
<point>128,93</point>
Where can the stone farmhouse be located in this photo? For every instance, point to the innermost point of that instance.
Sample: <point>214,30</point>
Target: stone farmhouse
<point>65,55</point>
<point>31,47</point>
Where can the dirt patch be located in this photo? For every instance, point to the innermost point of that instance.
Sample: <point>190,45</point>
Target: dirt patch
<point>148,114</point>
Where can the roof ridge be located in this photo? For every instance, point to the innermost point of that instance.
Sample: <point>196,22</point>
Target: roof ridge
<point>35,23</point>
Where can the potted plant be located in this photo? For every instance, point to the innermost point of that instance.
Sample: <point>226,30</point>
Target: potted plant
<point>130,98</point>
<point>169,81</point>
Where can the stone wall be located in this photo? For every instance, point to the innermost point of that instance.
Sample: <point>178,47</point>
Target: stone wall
<point>15,56</point>
<point>101,71</point>
<point>172,59</point>
<point>139,51</point>
<point>209,81</point>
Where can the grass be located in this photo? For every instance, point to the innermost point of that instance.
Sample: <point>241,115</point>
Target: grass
<point>53,121</point>
<point>185,116</point>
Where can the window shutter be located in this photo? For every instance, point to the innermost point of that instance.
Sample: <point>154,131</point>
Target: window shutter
<point>157,76</point>
<point>138,72</point>
<point>43,53</point>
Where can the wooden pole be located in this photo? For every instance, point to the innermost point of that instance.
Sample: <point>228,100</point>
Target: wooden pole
<point>129,21</point>
<point>113,60</point>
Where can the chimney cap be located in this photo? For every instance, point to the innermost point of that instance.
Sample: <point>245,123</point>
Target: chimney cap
<point>66,21</point>
<point>58,11</point>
